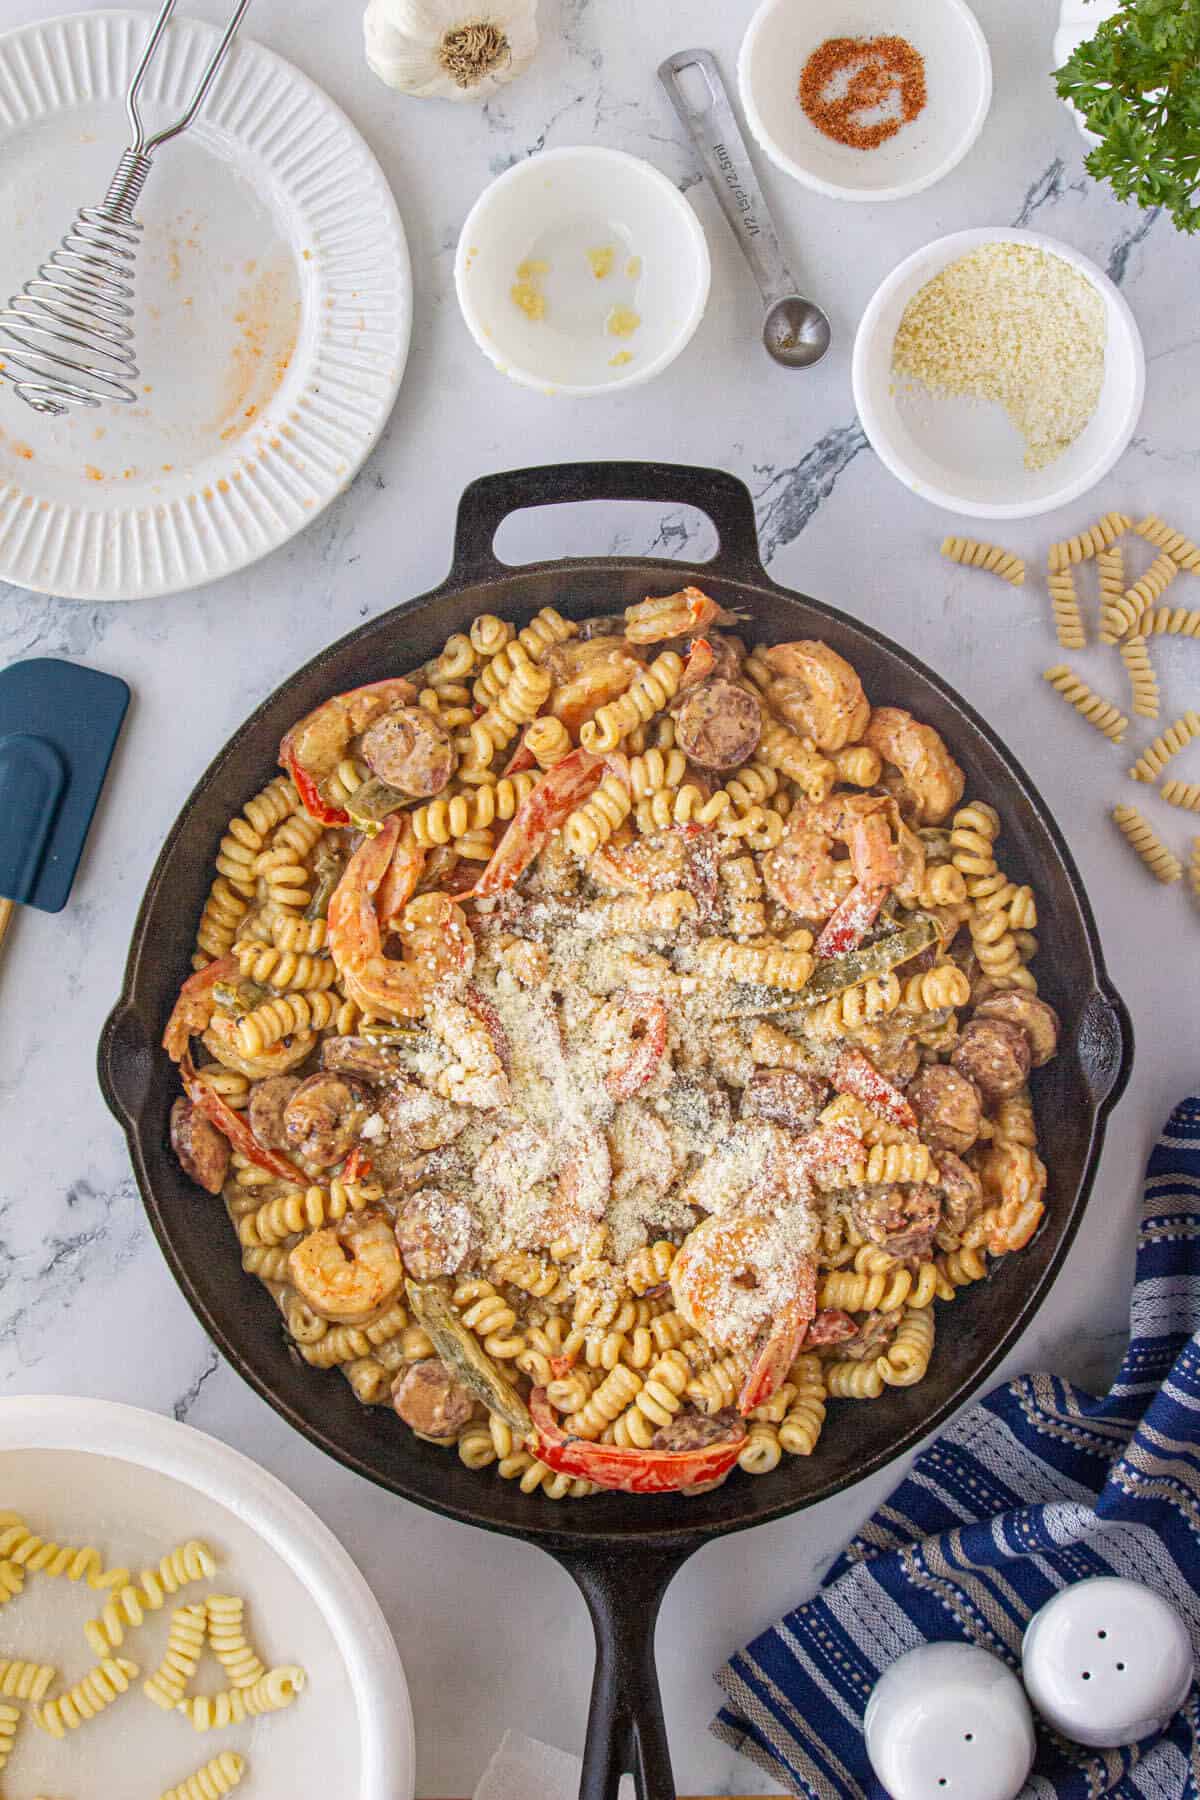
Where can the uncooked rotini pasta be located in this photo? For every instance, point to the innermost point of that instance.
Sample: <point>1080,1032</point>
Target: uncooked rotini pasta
<point>25,1680</point>
<point>98,1689</point>
<point>219,1776</point>
<point>1194,868</point>
<point>1164,537</point>
<point>1100,536</point>
<point>1101,713</point>
<point>1170,621</point>
<point>1150,588</point>
<point>1177,736</point>
<point>12,1580</point>
<point>1116,615</point>
<point>1182,793</point>
<point>991,557</point>
<point>1068,619</point>
<point>1143,681</point>
<point>585,1069</point>
<point>1162,863</point>
<point>272,1692</point>
<point>10,1720</point>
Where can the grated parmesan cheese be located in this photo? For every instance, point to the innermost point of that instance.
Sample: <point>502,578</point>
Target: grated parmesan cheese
<point>1017,325</point>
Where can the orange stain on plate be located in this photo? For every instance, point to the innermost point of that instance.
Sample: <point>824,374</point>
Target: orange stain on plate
<point>267,315</point>
<point>92,472</point>
<point>22,450</point>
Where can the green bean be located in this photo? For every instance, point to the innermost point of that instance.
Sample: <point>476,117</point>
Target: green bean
<point>838,973</point>
<point>464,1357</point>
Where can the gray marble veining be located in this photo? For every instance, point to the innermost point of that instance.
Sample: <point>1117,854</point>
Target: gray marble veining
<point>86,1303</point>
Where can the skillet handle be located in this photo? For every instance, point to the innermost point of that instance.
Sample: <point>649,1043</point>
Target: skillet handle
<point>486,503</point>
<point>125,1063</point>
<point>626,1732</point>
<point>1104,1043</point>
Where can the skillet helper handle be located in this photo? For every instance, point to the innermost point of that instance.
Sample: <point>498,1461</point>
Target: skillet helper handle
<point>486,503</point>
<point>1104,1041</point>
<point>718,142</point>
<point>626,1732</point>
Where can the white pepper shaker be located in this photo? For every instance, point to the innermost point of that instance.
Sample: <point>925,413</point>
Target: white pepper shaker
<point>949,1722</point>
<point>1107,1661</point>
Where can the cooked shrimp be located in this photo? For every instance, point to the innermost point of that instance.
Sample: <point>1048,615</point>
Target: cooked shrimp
<point>929,778</point>
<point>312,749</point>
<point>348,1272</point>
<point>195,1015</point>
<point>588,673</point>
<point>740,1274</point>
<point>476,1076</point>
<point>652,621</point>
<point>193,1010</point>
<point>818,693</point>
<point>439,951</point>
<point>403,875</point>
<point>802,873</point>
<point>221,1042</point>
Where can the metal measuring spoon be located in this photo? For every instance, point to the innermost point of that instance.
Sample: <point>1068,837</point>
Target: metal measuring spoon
<point>795,330</point>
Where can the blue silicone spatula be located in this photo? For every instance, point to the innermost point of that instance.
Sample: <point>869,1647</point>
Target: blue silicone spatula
<point>58,728</point>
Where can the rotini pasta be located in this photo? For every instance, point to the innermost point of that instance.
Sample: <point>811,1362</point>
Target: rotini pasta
<point>286,1016</point>
<point>1137,831</point>
<point>991,557</point>
<point>1116,614</point>
<point>942,986</point>
<point>223,913</point>
<point>767,963</point>
<point>647,694</point>
<point>98,1689</point>
<point>548,741</point>
<point>853,1380</point>
<point>35,1555</point>
<point>1182,793</point>
<point>304,1209</point>
<point>10,1719</point>
<point>1170,621</point>
<point>443,821</point>
<point>130,1603</point>
<point>1100,713</point>
<point>593,823</point>
<point>271,1693</point>
<point>1068,619</point>
<point>180,1659</point>
<point>219,1776</point>
<point>804,1420</point>
<point>285,970</point>
<point>859,765</point>
<point>781,749</point>
<point>1194,868</point>
<point>907,1358</point>
<point>1100,536</point>
<point>1164,537</point>
<point>25,1680</point>
<point>1143,681</point>
<point>1150,588</point>
<point>1178,735</point>
<point>227,1634</point>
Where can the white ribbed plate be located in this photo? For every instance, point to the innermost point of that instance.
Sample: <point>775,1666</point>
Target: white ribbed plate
<point>274,300</point>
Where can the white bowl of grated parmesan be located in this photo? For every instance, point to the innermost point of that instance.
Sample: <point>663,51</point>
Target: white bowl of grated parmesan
<point>998,373</point>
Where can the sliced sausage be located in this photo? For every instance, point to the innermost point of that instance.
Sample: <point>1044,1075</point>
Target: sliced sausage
<point>962,1191</point>
<point>719,724</point>
<point>692,1431</point>
<point>698,1110</point>
<point>434,1232</point>
<point>785,1097</point>
<point>830,1326</point>
<point>995,1055</point>
<point>900,1219</point>
<point>875,1332</point>
<point>202,1151</point>
<point>410,749</point>
<point>1038,1021</point>
<point>898,1058</point>
<point>947,1106</point>
<point>265,1111</point>
<point>419,1119</point>
<point>324,1117</point>
<point>429,1400</point>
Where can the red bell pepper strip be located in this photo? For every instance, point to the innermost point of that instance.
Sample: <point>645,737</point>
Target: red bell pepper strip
<point>856,1074</point>
<point>311,798</point>
<point>357,1165</point>
<point>700,664</point>
<point>850,922</point>
<point>233,1126</point>
<point>626,1471</point>
<point>545,808</point>
<point>646,1052</point>
<point>521,758</point>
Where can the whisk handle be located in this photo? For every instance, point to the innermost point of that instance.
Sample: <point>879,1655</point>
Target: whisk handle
<point>147,146</point>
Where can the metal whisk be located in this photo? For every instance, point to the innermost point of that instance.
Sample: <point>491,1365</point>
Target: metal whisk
<point>67,339</point>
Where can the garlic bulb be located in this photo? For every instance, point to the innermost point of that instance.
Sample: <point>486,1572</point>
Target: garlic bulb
<point>450,49</point>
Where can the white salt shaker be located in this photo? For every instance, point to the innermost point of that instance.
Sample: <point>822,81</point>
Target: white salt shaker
<point>949,1722</point>
<point>1107,1661</point>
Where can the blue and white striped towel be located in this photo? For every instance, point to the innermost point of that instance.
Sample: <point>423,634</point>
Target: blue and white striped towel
<point>1037,1487</point>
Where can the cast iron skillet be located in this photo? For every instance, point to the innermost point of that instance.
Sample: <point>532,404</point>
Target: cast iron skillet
<point>621,1551</point>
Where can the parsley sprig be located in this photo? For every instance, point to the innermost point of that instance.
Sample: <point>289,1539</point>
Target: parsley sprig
<point>1137,84</point>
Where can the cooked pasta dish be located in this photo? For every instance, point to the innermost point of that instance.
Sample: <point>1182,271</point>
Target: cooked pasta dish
<point>611,1041</point>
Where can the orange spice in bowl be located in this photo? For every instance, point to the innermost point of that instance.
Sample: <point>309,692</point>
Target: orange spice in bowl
<point>846,81</point>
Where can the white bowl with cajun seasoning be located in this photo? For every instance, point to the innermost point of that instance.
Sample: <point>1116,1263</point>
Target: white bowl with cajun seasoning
<point>865,99</point>
<point>582,271</point>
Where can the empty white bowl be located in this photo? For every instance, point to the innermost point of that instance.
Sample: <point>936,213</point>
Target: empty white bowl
<point>964,454</point>
<point>782,36</point>
<point>541,230</point>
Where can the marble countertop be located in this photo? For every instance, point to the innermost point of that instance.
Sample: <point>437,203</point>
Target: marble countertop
<point>86,1302</point>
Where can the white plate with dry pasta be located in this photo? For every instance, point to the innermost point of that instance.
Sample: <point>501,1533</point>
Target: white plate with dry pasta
<point>166,1605</point>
